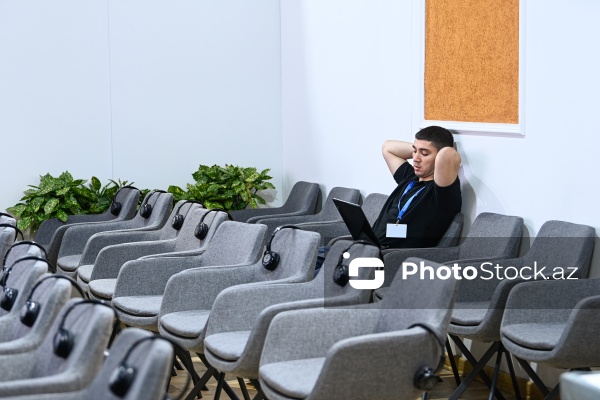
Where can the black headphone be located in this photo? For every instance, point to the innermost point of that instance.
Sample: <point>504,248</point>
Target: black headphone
<point>22,242</point>
<point>177,221</point>
<point>146,208</point>
<point>341,274</point>
<point>121,379</point>
<point>426,378</point>
<point>31,309</point>
<point>115,206</point>
<point>3,214</point>
<point>10,294</point>
<point>270,259</point>
<point>17,230</point>
<point>64,339</point>
<point>202,228</point>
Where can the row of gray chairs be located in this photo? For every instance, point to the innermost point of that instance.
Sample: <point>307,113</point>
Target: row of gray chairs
<point>8,233</point>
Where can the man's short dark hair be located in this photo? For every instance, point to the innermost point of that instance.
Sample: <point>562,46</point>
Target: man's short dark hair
<point>438,136</point>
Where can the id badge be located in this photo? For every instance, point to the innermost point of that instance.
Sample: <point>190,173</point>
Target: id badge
<point>396,231</point>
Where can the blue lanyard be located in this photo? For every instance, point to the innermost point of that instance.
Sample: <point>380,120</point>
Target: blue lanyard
<point>402,211</point>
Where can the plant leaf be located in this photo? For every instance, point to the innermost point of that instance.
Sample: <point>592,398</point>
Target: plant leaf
<point>50,205</point>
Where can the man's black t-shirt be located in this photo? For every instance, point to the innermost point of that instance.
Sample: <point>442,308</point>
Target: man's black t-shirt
<point>428,215</point>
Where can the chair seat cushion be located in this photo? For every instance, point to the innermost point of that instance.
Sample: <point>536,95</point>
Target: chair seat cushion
<point>189,324</point>
<point>69,263</point>
<point>103,288</point>
<point>469,313</point>
<point>228,345</point>
<point>295,378</point>
<point>141,306</point>
<point>85,272</point>
<point>536,336</point>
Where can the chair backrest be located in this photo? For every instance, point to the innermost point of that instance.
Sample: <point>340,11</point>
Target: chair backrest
<point>90,326</point>
<point>161,204</point>
<point>324,281</point>
<point>151,359</point>
<point>329,211</point>
<point>452,234</point>
<point>8,234</point>
<point>50,294</point>
<point>564,245</point>
<point>235,243</point>
<point>128,197</point>
<point>415,300</point>
<point>179,214</point>
<point>20,250</point>
<point>492,235</point>
<point>372,206</point>
<point>186,239</point>
<point>302,197</point>
<point>20,277</point>
<point>297,252</point>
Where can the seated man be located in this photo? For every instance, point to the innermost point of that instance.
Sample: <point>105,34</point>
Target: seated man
<point>428,194</point>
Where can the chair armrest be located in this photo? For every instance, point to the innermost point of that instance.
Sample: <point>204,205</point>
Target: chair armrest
<point>101,240</point>
<point>184,253</point>
<point>273,223</point>
<point>110,259</point>
<point>327,229</point>
<point>279,214</point>
<point>76,236</point>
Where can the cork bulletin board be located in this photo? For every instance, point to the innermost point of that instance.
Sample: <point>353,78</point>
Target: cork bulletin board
<point>472,61</point>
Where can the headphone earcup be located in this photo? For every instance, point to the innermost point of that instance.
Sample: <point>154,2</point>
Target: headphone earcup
<point>8,298</point>
<point>63,343</point>
<point>425,379</point>
<point>146,210</point>
<point>270,260</point>
<point>341,275</point>
<point>30,313</point>
<point>121,380</point>
<point>201,231</point>
<point>177,221</point>
<point>115,208</point>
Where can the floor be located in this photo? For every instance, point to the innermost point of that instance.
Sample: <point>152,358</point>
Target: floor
<point>477,391</point>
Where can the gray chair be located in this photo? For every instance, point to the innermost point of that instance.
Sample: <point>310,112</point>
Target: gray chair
<point>22,249</point>
<point>332,229</point>
<point>481,302</point>
<point>151,359</point>
<point>50,294</point>
<point>51,232</point>
<point>77,236</point>
<point>139,289</point>
<point>18,279</point>
<point>373,351</point>
<point>328,213</point>
<point>42,370</point>
<point>240,316</point>
<point>113,249</point>
<point>302,200</point>
<point>105,271</point>
<point>492,236</point>
<point>8,233</point>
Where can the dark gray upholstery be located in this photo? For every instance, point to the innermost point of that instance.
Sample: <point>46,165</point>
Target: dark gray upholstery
<point>492,236</point>
<point>42,371</point>
<point>240,316</point>
<point>329,214</point>
<point>141,283</point>
<point>371,351</point>
<point>481,303</point>
<point>332,229</point>
<point>76,238</point>
<point>17,337</point>
<point>51,232</point>
<point>116,248</point>
<point>190,295</point>
<point>302,200</point>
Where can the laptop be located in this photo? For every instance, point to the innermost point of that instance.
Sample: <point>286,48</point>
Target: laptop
<point>356,221</point>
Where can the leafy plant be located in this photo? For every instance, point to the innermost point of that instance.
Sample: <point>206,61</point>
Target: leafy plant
<point>62,196</point>
<point>230,187</point>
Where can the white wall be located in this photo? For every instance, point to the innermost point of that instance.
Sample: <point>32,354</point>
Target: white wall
<point>138,90</point>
